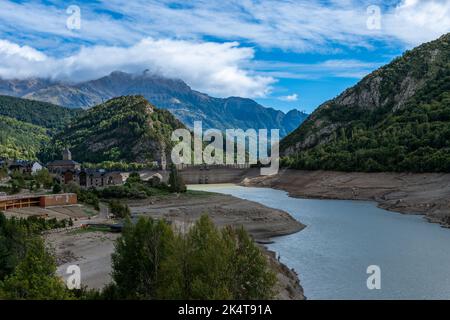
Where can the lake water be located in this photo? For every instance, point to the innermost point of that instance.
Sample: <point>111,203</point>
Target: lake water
<point>343,238</point>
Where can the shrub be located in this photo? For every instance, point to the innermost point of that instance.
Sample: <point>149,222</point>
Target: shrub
<point>119,210</point>
<point>176,183</point>
<point>56,188</point>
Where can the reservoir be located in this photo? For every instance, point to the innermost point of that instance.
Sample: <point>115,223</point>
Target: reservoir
<point>343,238</point>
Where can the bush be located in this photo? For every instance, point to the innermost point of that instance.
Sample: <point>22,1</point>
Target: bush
<point>89,197</point>
<point>56,188</point>
<point>176,183</point>
<point>119,210</point>
<point>133,178</point>
<point>44,178</point>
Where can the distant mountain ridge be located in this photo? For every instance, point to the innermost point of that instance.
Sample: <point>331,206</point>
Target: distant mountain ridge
<point>172,94</point>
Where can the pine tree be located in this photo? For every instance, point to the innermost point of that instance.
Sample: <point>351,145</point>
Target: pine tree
<point>176,183</point>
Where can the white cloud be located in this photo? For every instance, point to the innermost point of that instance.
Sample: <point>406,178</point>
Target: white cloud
<point>12,50</point>
<point>294,25</point>
<point>347,68</point>
<point>215,68</point>
<point>168,36</point>
<point>414,21</point>
<point>289,98</point>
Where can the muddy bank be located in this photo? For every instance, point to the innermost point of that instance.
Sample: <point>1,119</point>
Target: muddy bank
<point>426,194</point>
<point>92,250</point>
<point>261,222</point>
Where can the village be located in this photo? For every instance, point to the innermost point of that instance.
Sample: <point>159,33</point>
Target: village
<point>29,188</point>
<point>58,187</point>
<point>83,210</point>
<point>67,170</point>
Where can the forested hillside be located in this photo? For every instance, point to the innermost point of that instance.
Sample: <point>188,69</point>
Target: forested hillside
<point>20,140</point>
<point>395,119</point>
<point>42,114</point>
<point>26,125</point>
<point>127,129</point>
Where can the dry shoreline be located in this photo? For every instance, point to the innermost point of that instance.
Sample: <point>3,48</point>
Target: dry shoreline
<point>426,194</point>
<point>92,250</point>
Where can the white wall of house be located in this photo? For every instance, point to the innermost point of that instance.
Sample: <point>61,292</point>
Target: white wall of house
<point>36,167</point>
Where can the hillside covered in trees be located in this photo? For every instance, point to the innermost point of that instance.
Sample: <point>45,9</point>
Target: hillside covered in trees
<point>395,119</point>
<point>126,129</point>
<point>26,125</point>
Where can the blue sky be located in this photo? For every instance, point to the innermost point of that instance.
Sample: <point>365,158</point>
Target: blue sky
<point>284,54</point>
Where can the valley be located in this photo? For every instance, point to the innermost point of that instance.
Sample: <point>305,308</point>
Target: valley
<point>384,140</point>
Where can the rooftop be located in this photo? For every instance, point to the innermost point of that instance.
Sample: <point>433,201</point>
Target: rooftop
<point>62,163</point>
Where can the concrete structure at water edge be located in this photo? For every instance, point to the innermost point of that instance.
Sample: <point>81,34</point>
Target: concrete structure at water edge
<point>205,174</point>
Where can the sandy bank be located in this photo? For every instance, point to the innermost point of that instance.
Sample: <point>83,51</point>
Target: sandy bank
<point>260,221</point>
<point>92,250</point>
<point>426,194</point>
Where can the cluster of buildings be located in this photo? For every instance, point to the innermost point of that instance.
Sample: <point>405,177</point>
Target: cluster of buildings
<point>21,165</point>
<point>68,170</point>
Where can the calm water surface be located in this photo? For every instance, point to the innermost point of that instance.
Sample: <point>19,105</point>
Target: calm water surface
<point>343,238</point>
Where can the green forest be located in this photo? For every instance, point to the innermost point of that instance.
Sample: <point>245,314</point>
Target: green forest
<point>125,129</point>
<point>413,137</point>
<point>27,125</point>
<point>21,140</point>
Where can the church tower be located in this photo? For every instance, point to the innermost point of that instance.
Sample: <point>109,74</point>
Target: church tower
<point>67,155</point>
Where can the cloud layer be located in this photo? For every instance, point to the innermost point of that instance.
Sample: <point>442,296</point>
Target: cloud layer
<point>211,67</point>
<point>296,25</point>
<point>196,40</point>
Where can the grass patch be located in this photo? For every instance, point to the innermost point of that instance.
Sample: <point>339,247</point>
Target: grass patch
<point>89,212</point>
<point>198,193</point>
<point>90,229</point>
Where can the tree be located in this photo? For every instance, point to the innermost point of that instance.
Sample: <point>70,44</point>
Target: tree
<point>44,178</point>
<point>137,258</point>
<point>211,264</point>
<point>119,210</point>
<point>133,178</point>
<point>12,245</point>
<point>176,183</point>
<point>34,277</point>
<point>251,277</point>
<point>199,267</point>
<point>3,172</point>
<point>56,188</point>
<point>151,262</point>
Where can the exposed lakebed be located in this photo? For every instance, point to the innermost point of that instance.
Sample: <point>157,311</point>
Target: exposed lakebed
<point>343,238</point>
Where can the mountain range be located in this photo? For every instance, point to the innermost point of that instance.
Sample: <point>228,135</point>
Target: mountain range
<point>172,94</point>
<point>395,119</point>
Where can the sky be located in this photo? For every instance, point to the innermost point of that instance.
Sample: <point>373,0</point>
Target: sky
<point>284,54</point>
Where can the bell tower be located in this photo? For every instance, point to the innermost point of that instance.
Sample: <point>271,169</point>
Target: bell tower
<point>67,155</point>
